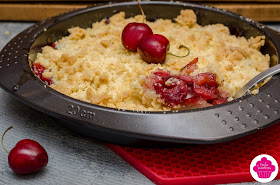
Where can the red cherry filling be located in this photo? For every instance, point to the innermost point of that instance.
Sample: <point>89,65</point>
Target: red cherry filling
<point>218,101</point>
<point>206,92</point>
<point>38,70</point>
<point>172,90</point>
<point>184,89</point>
<point>205,85</point>
<point>190,67</point>
<point>153,48</point>
<point>133,33</point>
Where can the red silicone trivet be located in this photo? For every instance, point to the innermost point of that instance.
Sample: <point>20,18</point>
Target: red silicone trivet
<point>223,163</point>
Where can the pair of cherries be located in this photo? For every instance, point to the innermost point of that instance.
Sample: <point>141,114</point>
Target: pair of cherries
<point>151,47</point>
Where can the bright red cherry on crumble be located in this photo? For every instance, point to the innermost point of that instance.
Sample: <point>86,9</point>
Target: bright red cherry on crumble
<point>153,48</point>
<point>133,33</point>
<point>27,157</point>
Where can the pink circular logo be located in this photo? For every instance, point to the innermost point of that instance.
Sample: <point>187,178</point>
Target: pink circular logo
<point>264,168</point>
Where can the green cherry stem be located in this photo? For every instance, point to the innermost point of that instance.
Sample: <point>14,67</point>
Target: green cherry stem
<point>181,46</point>
<point>142,12</point>
<point>3,138</point>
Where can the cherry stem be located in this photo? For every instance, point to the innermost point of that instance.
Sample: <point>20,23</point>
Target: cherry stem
<point>3,138</point>
<point>181,46</point>
<point>142,12</point>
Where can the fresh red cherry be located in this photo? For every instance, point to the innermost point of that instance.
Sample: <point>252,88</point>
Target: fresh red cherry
<point>133,33</point>
<point>153,48</point>
<point>27,157</point>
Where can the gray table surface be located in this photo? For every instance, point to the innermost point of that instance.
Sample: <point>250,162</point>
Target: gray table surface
<point>73,159</point>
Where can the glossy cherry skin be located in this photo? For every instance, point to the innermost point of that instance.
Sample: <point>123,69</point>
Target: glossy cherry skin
<point>133,33</point>
<point>27,157</point>
<point>153,48</point>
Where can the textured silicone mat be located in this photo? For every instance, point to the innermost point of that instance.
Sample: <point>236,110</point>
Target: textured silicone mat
<point>222,163</point>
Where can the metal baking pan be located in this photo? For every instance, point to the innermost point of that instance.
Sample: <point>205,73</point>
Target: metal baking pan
<point>215,124</point>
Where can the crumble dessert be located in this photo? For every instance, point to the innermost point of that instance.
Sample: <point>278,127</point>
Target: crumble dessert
<point>93,66</point>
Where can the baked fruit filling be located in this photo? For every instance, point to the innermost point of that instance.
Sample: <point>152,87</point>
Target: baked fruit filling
<point>185,91</point>
<point>39,70</point>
